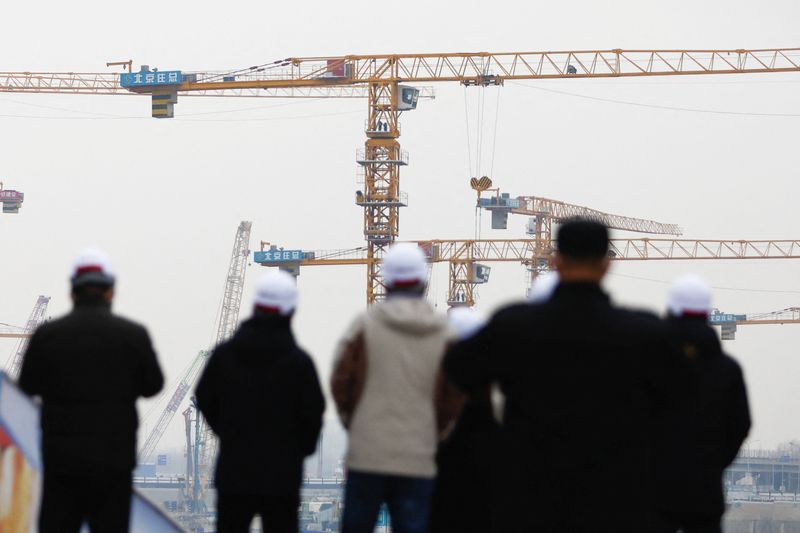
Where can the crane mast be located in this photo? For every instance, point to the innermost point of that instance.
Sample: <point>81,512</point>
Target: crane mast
<point>234,284</point>
<point>227,321</point>
<point>37,316</point>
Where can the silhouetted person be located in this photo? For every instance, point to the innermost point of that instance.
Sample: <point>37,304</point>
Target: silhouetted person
<point>260,394</point>
<point>89,367</point>
<point>584,383</point>
<point>384,384</point>
<point>703,436</point>
<point>465,458</point>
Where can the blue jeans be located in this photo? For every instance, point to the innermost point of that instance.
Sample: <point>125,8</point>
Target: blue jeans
<point>408,500</point>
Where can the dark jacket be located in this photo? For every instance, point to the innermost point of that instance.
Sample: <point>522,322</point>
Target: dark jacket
<point>464,463</point>
<point>585,384</point>
<point>89,367</point>
<point>261,396</point>
<point>702,437</point>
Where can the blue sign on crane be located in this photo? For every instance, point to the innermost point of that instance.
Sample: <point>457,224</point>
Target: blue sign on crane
<point>279,256</point>
<point>147,78</point>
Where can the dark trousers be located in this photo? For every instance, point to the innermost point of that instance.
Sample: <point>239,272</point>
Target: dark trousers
<point>408,500</point>
<point>690,523</point>
<point>104,501</point>
<point>235,512</point>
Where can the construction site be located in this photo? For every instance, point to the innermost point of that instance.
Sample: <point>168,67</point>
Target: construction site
<point>686,155</point>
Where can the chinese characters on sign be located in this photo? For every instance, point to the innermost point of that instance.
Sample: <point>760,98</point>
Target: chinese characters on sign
<point>10,195</point>
<point>144,79</point>
<point>278,256</point>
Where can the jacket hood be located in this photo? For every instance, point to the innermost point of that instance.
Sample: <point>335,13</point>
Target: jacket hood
<point>410,315</point>
<point>263,338</point>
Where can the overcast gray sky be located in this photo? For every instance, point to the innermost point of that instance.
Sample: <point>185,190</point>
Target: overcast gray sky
<point>164,197</point>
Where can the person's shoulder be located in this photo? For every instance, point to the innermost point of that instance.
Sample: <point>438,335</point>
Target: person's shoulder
<point>642,321</point>
<point>126,324</point>
<point>519,310</point>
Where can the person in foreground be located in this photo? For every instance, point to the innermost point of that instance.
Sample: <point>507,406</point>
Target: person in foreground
<point>384,384</point>
<point>465,458</point>
<point>585,383</point>
<point>260,394</point>
<point>703,436</point>
<point>89,367</point>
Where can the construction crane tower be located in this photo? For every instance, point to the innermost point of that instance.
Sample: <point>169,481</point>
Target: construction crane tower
<point>37,316</point>
<point>543,214</point>
<point>383,79</point>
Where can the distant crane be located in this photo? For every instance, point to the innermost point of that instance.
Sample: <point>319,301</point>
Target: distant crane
<point>226,325</point>
<point>227,320</point>
<point>465,253</point>
<point>37,316</point>
<point>11,200</point>
<point>544,213</point>
<point>383,78</point>
<point>729,322</point>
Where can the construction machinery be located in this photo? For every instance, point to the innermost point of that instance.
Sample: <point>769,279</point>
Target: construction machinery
<point>383,79</point>
<point>11,200</point>
<point>37,316</point>
<point>226,323</point>
<point>463,255</point>
<point>729,322</point>
<point>544,213</point>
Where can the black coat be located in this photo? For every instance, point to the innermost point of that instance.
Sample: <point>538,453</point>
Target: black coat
<point>585,383</point>
<point>702,437</point>
<point>89,367</point>
<point>261,396</point>
<point>465,470</point>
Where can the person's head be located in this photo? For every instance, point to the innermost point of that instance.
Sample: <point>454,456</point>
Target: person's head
<point>276,294</point>
<point>582,254</point>
<point>465,321</point>
<point>91,279</point>
<point>405,270</point>
<point>543,287</point>
<point>689,296</point>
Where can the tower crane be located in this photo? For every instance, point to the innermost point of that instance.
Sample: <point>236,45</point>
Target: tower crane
<point>227,319</point>
<point>544,213</point>
<point>37,316</point>
<point>524,251</point>
<point>382,78</point>
<point>729,322</point>
<point>11,200</point>
<point>226,324</point>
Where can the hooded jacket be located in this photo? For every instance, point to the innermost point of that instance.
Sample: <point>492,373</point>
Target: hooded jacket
<point>702,435</point>
<point>261,396</point>
<point>384,383</point>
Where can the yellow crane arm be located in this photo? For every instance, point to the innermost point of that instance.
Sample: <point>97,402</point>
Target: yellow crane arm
<point>525,250</point>
<point>485,68</point>
<point>320,74</point>
<point>558,210</point>
<point>108,83</point>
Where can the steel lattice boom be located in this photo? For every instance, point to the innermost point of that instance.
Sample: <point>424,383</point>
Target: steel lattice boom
<point>558,211</point>
<point>186,384</point>
<point>37,316</point>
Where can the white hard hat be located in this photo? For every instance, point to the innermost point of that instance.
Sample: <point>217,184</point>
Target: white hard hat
<point>91,267</point>
<point>276,291</point>
<point>689,295</point>
<point>543,287</point>
<point>465,321</point>
<point>404,264</point>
